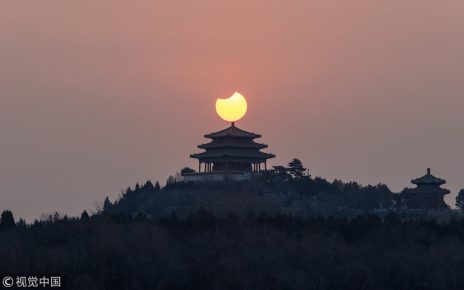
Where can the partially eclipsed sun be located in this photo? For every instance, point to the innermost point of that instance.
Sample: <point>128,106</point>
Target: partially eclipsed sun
<point>233,108</point>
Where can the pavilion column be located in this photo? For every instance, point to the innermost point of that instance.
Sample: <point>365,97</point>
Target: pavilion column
<point>199,166</point>
<point>265,165</point>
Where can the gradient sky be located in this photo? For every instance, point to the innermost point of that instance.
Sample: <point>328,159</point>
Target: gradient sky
<point>98,95</point>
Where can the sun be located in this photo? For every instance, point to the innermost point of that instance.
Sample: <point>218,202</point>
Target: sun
<point>233,108</point>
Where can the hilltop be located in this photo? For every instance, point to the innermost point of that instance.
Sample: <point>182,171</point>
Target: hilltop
<point>284,189</point>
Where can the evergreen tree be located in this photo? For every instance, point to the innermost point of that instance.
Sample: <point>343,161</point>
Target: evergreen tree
<point>85,216</point>
<point>7,219</point>
<point>171,180</point>
<point>21,222</point>
<point>157,186</point>
<point>107,204</point>
<point>296,169</point>
<point>148,186</point>
<point>460,200</point>
<point>281,172</point>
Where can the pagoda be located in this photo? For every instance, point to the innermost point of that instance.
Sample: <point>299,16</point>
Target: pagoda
<point>232,152</point>
<point>427,194</point>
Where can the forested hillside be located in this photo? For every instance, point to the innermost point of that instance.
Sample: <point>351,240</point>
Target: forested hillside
<point>260,251</point>
<point>283,189</point>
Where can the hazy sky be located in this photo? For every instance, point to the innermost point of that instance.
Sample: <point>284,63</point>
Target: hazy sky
<point>98,95</point>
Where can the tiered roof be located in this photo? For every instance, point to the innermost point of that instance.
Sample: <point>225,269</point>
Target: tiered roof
<point>234,154</point>
<point>232,131</point>
<point>428,179</point>
<point>233,143</point>
<point>429,184</point>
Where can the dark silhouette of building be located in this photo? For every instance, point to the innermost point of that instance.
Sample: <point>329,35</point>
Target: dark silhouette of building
<point>427,195</point>
<point>231,151</point>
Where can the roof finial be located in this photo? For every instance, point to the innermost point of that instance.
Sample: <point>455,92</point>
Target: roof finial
<point>428,171</point>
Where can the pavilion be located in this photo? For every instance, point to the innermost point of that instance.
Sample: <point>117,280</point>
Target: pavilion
<point>231,153</point>
<point>427,194</point>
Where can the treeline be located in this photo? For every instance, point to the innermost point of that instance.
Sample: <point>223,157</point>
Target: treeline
<point>283,189</point>
<point>258,251</point>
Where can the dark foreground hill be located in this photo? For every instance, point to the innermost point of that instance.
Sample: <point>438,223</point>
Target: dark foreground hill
<point>280,230</point>
<point>255,252</point>
<point>284,189</point>
<point>303,196</point>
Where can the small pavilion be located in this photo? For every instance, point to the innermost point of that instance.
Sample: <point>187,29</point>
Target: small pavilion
<point>427,194</point>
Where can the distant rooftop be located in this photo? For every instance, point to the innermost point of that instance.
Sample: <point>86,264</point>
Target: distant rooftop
<point>428,179</point>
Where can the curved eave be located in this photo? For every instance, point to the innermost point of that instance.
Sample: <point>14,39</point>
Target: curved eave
<point>422,181</point>
<point>214,136</point>
<point>208,155</point>
<point>211,146</point>
<point>419,190</point>
<point>232,131</point>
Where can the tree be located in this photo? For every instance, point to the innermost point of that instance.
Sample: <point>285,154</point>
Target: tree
<point>148,186</point>
<point>107,204</point>
<point>140,216</point>
<point>186,170</point>
<point>7,219</point>
<point>157,186</point>
<point>296,169</point>
<point>21,222</point>
<point>85,216</point>
<point>171,180</point>
<point>460,200</point>
<point>281,172</point>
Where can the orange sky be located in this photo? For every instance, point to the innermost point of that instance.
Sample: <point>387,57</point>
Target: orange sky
<point>97,95</point>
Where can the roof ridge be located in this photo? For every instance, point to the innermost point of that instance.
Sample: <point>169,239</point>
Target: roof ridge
<point>232,131</point>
